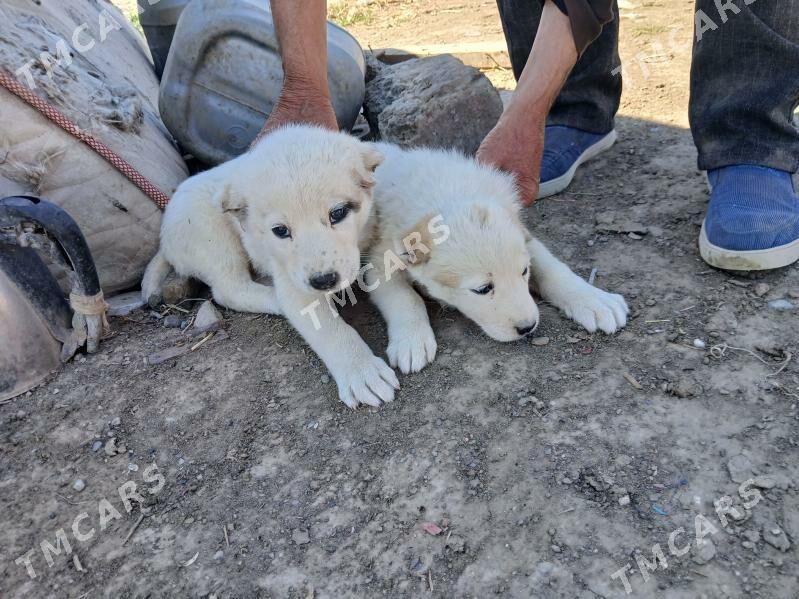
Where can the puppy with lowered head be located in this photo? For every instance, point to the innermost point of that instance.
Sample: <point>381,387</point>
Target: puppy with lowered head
<point>456,225</point>
<point>298,207</point>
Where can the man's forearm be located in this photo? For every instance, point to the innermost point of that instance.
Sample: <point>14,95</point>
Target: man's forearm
<point>551,60</point>
<point>516,143</point>
<point>301,32</point>
<point>301,28</point>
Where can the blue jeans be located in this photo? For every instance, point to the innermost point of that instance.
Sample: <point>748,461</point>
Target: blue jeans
<point>744,79</point>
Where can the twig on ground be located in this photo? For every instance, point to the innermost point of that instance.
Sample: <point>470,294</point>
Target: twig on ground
<point>132,530</point>
<point>788,356</point>
<point>201,341</point>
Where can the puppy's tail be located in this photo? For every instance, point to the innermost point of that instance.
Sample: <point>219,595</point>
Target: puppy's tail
<point>154,277</point>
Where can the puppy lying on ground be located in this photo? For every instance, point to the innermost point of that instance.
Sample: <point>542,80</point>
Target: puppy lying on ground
<point>298,207</point>
<point>455,224</point>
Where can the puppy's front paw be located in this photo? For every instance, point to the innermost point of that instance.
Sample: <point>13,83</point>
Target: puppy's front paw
<point>412,349</point>
<point>368,381</point>
<point>595,309</point>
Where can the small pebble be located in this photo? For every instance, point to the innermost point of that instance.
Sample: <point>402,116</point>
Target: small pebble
<point>541,341</point>
<point>116,421</point>
<point>624,500</point>
<point>325,379</point>
<point>97,445</point>
<point>173,321</point>
<point>219,555</point>
<point>699,344</point>
<point>704,552</point>
<point>762,289</point>
<point>79,485</point>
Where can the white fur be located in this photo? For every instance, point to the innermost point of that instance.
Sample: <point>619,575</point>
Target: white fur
<point>219,226</point>
<point>487,243</point>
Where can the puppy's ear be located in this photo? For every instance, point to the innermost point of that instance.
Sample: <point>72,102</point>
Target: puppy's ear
<point>416,245</point>
<point>480,215</point>
<point>372,158</point>
<point>232,203</point>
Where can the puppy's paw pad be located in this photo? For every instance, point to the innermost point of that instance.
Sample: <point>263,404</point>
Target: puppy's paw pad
<point>367,382</point>
<point>412,349</point>
<point>593,309</point>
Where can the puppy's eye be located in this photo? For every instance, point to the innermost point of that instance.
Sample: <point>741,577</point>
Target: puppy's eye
<point>339,213</point>
<point>281,231</point>
<point>485,289</point>
<point>524,272</point>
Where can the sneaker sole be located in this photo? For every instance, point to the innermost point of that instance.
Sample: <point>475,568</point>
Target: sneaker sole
<point>769,259</point>
<point>558,184</point>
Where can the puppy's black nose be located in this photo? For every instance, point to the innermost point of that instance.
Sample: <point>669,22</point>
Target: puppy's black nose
<point>324,280</point>
<point>526,330</point>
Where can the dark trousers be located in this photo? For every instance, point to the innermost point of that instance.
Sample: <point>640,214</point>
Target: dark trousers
<point>744,79</point>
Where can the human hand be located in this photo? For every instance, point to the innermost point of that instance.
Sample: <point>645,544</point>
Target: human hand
<point>515,145</point>
<point>300,105</point>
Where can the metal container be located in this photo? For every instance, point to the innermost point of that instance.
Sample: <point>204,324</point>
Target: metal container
<point>158,22</point>
<point>224,75</point>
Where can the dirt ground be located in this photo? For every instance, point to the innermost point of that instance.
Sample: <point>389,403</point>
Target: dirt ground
<point>546,466</point>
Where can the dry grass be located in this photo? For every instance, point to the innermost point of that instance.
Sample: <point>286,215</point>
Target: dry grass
<point>347,13</point>
<point>128,8</point>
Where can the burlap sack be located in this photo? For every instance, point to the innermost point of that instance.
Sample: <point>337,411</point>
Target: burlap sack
<point>87,61</point>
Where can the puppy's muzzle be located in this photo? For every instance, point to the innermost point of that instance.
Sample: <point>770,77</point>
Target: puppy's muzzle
<point>324,281</point>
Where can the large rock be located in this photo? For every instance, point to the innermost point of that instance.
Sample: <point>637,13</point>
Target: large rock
<point>436,102</point>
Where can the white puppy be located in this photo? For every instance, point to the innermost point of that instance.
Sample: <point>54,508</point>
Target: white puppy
<point>298,207</point>
<point>455,224</point>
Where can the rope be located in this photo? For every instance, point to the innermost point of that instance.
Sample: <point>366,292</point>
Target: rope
<point>102,150</point>
<point>88,305</point>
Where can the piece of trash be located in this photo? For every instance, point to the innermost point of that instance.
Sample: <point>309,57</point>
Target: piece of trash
<point>781,305</point>
<point>78,566</point>
<point>192,560</point>
<point>592,276</point>
<point>124,303</point>
<point>180,350</point>
<point>432,528</point>
<point>659,510</point>
<point>631,379</point>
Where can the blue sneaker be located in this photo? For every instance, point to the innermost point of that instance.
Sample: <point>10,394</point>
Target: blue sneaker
<point>566,148</point>
<point>752,220</point>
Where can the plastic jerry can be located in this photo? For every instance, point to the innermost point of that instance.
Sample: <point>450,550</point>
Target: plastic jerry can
<point>158,19</point>
<point>224,74</point>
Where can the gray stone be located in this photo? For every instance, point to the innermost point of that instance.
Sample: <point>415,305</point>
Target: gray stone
<point>173,321</point>
<point>703,552</point>
<point>762,289</point>
<point>752,536</point>
<point>776,537</point>
<point>685,387</point>
<point>208,317</point>
<point>740,468</point>
<point>301,537</point>
<point>435,102</point>
<point>79,485</point>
